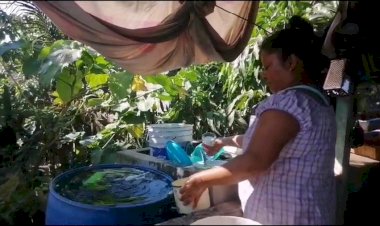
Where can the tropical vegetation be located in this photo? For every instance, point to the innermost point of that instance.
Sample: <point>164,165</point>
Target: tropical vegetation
<point>64,105</point>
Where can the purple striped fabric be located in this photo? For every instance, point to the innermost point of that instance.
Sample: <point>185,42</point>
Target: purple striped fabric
<point>299,187</point>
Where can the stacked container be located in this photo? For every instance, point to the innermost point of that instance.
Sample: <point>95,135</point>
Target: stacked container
<point>159,134</point>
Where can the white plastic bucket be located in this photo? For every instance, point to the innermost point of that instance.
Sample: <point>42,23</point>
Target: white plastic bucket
<point>159,141</point>
<point>225,220</point>
<point>203,203</point>
<point>170,127</point>
<point>167,134</point>
<point>159,134</point>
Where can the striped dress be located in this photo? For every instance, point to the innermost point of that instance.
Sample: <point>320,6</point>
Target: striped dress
<point>299,187</point>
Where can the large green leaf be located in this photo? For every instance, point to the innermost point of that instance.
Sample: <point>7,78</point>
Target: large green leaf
<point>101,61</point>
<point>189,74</point>
<point>96,80</point>
<point>179,81</point>
<point>87,59</point>
<point>159,79</point>
<point>164,81</point>
<point>44,53</point>
<point>55,62</point>
<point>244,101</point>
<point>94,179</point>
<point>231,106</point>
<point>68,86</point>
<point>120,84</point>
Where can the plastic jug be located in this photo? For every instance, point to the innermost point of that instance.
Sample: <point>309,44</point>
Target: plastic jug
<point>177,155</point>
<point>200,156</point>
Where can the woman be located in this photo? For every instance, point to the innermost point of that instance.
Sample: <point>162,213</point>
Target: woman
<point>289,150</point>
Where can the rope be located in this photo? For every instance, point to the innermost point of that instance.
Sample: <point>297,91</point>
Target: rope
<point>243,19</point>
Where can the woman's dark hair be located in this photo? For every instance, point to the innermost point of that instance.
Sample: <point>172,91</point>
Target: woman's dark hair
<point>298,38</point>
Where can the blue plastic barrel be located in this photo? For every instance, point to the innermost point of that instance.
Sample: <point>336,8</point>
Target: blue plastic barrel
<point>62,211</point>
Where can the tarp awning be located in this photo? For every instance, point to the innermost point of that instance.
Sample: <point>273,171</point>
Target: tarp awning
<point>149,37</point>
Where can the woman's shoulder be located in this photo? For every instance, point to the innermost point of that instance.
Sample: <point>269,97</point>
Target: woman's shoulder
<point>285,98</point>
<point>295,98</point>
<point>291,101</point>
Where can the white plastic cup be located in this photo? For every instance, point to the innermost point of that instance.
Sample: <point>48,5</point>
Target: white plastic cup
<point>208,139</point>
<point>203,203</point>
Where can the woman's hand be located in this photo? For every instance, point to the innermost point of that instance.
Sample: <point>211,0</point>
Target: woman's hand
<point>235,141</point>
<point>192,190</point>
<point>212,150</point>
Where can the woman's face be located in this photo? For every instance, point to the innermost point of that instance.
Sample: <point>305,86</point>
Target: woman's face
<point>277,74</point>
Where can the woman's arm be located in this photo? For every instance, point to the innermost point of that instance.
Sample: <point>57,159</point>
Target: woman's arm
<point>235,141</point>
<point>273,131</point>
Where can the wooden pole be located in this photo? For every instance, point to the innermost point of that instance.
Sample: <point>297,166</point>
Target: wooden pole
<point>345,122</point>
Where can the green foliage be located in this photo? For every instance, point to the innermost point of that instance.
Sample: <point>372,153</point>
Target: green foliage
<point>55,58</point>
<point>69,86</point>
<point>96,81</point>
<point>120,85</point>
<point>71,107</point>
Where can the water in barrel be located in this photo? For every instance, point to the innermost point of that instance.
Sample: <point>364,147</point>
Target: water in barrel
<point>111,187</point>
